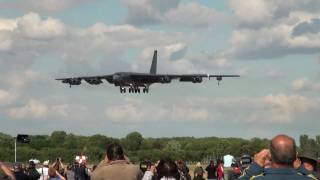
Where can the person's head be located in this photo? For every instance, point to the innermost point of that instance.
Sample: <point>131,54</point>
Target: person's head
<point>180,165</point>
<point>212,162</point>
<point>70,167</point>
<point>52,172</point>
<point>46,163</point>
<point>309,163</point>
<point>283,151</point>
<point>198,164</point>
<point>309,160</point>
<point>32,164</point>
<point>115,152</point>
<point>17,167</point>
<point>168,169</point>
<point>234,165</point>
<point>145,165</point>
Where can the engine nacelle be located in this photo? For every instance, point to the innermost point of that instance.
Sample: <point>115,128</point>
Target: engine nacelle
<point>165,79</point>
<point>197,79</point>
<point>94,81</point>
<point>75,81</point>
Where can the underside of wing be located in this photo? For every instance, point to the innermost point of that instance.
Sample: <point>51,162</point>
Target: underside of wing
<point>166,78</point>
<point>93,80</point>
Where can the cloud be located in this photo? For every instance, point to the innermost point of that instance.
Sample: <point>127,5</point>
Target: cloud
<point>268,12</point>
<point>7,24</point>
<point>32,37</point>
<point>302,28</point>
<point>19,79</point>
<point>6,96</point>
<point>284,108</point>
<point>276,29</point>
<point>43,6</point>
<point>135,111</point>
<point>142,12</point>
<point>32,109</point>
<point>273,72</point>
<point>32,26</point>
<point>253,12</point>
<point>304,84</point>
<point>194,15</point>
<point>270,109</point>
<point>172,12</point>
<point>271,42</point>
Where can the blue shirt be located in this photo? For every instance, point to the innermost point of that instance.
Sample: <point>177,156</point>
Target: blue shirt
<point>255,172</point>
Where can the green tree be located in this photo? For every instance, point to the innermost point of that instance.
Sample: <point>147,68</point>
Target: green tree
<point>133,141</point>
<point>58,137</point>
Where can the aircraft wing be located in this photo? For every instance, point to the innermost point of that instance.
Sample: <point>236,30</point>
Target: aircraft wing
<point>93,80</point>
<point>166,78</point>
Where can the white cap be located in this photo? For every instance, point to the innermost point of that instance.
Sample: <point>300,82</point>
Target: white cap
<point>46,163</point>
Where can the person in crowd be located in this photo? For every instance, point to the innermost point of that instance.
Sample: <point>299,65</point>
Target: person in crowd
<point>5,172</point>
<point>43,171</point>
<point>183,170</point>
<point>211,170</point>
<point>32,172</point>
<point>235,171</point>
<point>282,154</point>
<point>18,172</point>
<point>145,165</point>
<point>70,172</point>
<point>116,167</point>
<point>58,165</point>
<point>220,170</point>
<point>307,164</point>
<point>167,170</point>
<point>54,174</point>
<point>150,172</point>
<point>198,172</point>
<point>81,172</point>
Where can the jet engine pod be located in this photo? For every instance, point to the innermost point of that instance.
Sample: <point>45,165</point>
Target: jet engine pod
<point>94,81</point>
<point>75,81</point>
<point>197,79</point>
<point>165,79</point>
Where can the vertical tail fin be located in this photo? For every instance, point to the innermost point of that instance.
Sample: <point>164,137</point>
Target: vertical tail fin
<point>153,69</point>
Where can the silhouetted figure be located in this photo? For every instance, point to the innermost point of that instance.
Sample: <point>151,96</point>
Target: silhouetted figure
<point>279,158</point>
<point>211,170</point>
<point>116,167</point>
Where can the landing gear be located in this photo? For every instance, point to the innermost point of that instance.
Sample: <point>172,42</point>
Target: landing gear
<point>145,90</point>
<point>134,89</point>
<point>122,90</point>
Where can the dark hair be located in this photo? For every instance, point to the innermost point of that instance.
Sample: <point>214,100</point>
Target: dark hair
<point>167,168</point>
<point>115,152</point>
<point>145,164</point>
<point>284,155</point>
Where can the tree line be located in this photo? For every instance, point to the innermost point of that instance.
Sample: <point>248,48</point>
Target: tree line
<point>67,146</point>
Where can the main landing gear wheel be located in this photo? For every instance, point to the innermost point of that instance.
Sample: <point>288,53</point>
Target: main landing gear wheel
<point>145,90</point>
<point>122,90</point>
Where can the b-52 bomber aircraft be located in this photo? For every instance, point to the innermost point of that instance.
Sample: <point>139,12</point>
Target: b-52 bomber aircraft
<point>134,80</point>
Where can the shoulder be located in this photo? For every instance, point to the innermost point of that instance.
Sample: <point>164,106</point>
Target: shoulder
<point>256,177</point>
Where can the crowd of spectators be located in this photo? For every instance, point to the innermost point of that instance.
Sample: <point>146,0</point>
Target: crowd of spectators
<point>280,161</point>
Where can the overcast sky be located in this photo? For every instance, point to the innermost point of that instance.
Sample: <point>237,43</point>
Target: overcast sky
<point>274,46</point>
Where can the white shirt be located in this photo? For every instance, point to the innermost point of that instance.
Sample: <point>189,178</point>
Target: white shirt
<point>227,159</point>
<point>43,172</point>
